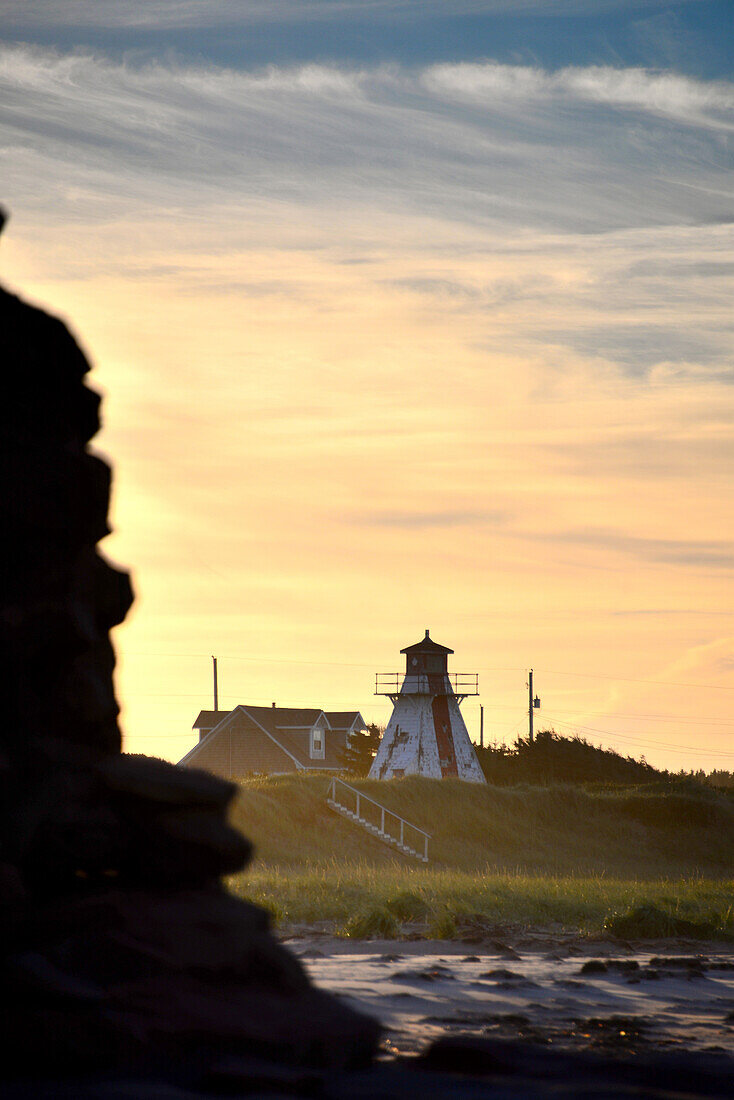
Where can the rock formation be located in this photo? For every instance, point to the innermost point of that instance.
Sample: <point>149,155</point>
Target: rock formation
<point>122,951</point>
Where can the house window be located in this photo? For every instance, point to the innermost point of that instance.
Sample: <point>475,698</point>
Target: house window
<point>317,743</point>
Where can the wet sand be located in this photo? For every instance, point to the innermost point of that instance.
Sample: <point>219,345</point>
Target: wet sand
<point>569,992</point>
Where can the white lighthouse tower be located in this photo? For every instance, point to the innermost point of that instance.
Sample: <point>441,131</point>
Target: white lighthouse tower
<point>426,734</point>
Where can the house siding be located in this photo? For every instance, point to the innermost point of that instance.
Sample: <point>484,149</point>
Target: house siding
<point>268,740</point>
<point>241,749</point>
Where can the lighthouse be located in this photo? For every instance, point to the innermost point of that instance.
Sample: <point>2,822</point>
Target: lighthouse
<point>426,734</point>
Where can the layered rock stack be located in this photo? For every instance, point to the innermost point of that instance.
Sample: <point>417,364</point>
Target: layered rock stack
<point>121,952</point>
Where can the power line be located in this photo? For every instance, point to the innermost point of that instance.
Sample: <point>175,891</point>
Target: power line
<point>635,680</point>
<point>640,740</point>
<point>255,660</point>
<point>617,714</point>
<point>631,739</point>
<point>358,664</point>
<point>666,718</point>
<point>635,739</point>
<point>688,718</point>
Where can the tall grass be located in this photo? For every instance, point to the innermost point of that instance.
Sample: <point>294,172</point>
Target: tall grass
<point>562,856</point>
<point>444,902</point>
<point>626,833</point>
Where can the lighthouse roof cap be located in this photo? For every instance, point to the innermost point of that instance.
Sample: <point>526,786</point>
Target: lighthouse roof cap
<point>426,645</point>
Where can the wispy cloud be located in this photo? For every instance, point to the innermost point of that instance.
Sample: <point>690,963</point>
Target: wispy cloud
<point>665,454</point>
<point>697,553</point>
<point>702,612</point>
<point>641,345</point>
<point>403,340</point>
<point>704,269</point>
<point>476,144</point>
<point>186,13</point>
<point>446,518</point>
<point>670,95</point>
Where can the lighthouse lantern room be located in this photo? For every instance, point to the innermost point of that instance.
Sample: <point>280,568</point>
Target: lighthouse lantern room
<point>426,734</point>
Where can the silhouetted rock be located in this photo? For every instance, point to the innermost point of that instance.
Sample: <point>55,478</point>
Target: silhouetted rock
<point>594,966</point>
<point>519,1069</point>
<point>121,950</point>
<point>429,974</point>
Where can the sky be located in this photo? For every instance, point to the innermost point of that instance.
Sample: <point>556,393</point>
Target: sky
<point>406,315</point>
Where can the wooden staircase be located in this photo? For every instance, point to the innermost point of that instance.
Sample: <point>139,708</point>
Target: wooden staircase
<point>377,820</point>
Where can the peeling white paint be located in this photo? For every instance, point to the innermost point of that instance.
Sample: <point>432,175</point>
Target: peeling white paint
<point>410,746</point>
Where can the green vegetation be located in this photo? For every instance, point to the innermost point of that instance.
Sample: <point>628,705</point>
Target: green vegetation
<point>373,921</point>
<point>408,905</point>
<point>563,856</point>
<point>661,829</point>
<point>717,778</point>
<point>552,758</point>
<point>358,901</point>
<point>361,749</point>
<point>649,922</point>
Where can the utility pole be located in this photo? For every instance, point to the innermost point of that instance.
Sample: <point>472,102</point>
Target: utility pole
<point>533,704</point>
<point>216,691</point>
<point>481,726</point>
<point>530,705</point>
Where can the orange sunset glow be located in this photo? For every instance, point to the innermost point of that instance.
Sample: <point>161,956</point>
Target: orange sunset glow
<point>434,343</point>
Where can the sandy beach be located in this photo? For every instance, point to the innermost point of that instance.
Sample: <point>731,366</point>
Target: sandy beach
<point>567,992</point>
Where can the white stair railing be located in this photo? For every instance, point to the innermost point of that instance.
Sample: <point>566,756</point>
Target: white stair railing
<point>341,796</point>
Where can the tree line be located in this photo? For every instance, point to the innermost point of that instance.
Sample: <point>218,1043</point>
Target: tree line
<point>549,758</point>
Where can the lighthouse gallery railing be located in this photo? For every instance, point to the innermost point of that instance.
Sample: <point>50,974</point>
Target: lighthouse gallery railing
<point>393,683</point>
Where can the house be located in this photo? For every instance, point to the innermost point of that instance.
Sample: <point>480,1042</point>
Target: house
<point>271,740</point>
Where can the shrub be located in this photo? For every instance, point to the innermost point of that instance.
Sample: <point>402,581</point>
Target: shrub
<point>553,758</point>
<point>647,922</point>
<point>442,926</point>
<point>372,923</point>
<point>672,810</point>
<point>407,905</point>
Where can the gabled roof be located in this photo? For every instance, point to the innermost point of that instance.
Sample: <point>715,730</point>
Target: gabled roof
<point>207,719</point>
<point>427,645</point>
<point>286,718</point>
<point>282,739</point>
<point>277,723</point>
<point>345,720</point>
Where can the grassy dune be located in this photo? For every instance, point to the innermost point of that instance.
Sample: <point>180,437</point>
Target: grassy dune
<point>542,856</point>
<point>553,830</point>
